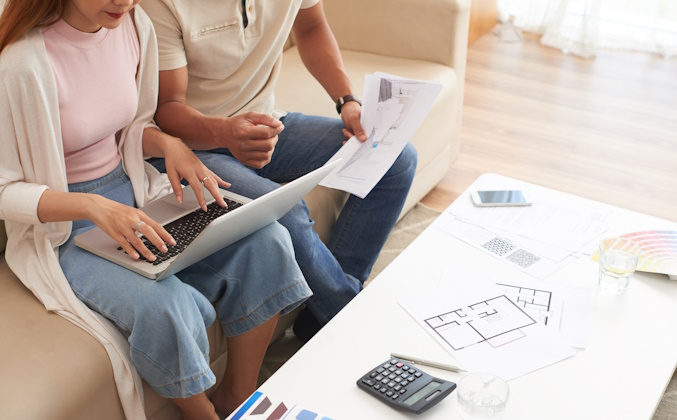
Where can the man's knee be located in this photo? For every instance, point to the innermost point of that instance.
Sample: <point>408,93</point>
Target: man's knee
<point>406,162</point>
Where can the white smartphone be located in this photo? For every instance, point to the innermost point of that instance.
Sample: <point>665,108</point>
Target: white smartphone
<point>499,198</point>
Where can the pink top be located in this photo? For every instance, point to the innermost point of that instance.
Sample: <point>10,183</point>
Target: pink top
<point>96,83</point>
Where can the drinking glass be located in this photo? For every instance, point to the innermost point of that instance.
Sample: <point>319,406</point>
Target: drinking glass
<point>618,259</point>
<point>482,396</point>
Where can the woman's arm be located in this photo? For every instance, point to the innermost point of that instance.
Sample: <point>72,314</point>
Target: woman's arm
<point>119,221</point>
<point>181,163</point>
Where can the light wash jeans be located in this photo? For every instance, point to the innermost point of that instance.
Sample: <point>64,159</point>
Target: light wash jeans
<point>334,272</point>
<point>165,321</point>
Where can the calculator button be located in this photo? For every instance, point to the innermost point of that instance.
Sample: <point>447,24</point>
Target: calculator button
<point>418,374</point>
<point>405,383</point>
<point>377,387</point>
<point>397,388</point>
<point>392,369</point>
<point>399,365</point>
<point>411,379</point>
<point>373,375</point>
<point>379,378</point>
<point>412,371</point>
<point>395,396</point>
<point>394,361</point>
<point>392,376</point>
<point>403,390</point>
<point>379,370</point>
<point>404,375</point>
<point>368,382</point>
<point>405,368</point>
<point>383,390</point>
<point>386,366</point>
<point>398,372</point>
<point>389,393</point>
<point>398,379</point>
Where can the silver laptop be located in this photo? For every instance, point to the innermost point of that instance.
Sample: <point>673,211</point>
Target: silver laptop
<point>198,233</point>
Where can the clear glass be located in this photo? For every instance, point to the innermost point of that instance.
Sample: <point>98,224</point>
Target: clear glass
<point>482,396</point>
<point>618,259</point>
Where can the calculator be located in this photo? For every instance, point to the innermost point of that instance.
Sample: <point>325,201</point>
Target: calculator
<point>403,386</point>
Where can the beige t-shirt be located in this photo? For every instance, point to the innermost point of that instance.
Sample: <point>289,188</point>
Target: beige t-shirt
<point>231,69</point>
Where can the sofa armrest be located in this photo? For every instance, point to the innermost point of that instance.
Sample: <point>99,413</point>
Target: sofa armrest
<point>430,30</point>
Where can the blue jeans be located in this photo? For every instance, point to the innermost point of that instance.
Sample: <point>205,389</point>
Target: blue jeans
<point>334,272</point>
<point>165,321</point>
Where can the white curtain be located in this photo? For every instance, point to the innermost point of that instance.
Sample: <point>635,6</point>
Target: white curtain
<point>581,27</point>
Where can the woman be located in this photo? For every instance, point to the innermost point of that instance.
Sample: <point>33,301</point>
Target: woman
<point>80,89</point>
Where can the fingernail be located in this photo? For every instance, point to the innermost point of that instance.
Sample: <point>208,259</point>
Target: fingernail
<point>135,255</point>
<point>164,248</point>
<point>179,199</point>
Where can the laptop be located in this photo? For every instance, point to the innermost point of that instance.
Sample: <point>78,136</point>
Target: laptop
<point>198,233</point>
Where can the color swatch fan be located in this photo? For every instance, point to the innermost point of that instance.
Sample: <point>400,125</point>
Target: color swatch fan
<point>659,251</point>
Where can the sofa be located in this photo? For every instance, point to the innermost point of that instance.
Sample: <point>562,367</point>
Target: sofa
<point>51,369</point>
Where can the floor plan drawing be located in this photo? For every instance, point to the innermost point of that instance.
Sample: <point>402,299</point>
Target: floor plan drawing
<point>537,303</point>
<point>496,321</point>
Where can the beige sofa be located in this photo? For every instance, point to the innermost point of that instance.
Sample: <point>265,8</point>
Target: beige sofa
<point>50,369</point>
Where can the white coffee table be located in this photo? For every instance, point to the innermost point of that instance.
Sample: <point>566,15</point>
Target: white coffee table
<point>630,357</point>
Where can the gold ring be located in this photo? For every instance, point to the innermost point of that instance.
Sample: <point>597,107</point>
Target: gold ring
<point>204,179</point>
<point>138,225</point>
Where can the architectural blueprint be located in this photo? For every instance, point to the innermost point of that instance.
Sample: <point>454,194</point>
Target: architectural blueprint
<point>506,329</point>
<point>393,108</point>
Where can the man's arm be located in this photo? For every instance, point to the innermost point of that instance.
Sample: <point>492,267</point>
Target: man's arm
<point>320,54</point>
<point>250,137</point>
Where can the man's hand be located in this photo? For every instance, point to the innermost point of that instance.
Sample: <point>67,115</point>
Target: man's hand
<point>251,137</point>
<point>351,112</point>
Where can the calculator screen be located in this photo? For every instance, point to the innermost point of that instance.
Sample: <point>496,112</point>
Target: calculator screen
<point>421,393</point>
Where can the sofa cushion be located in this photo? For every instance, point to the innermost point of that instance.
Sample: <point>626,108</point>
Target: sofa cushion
<point>42,353</point>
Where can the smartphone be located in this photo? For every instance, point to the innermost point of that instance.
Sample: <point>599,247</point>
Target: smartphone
<point>499,198</point>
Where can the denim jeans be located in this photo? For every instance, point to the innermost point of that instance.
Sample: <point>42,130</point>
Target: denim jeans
<point>165,321</point>
<point>334,272</point>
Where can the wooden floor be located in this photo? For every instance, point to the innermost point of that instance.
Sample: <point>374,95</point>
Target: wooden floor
<point>603,128</point>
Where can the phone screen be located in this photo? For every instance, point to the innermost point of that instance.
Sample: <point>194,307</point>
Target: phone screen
<point>502,197</point>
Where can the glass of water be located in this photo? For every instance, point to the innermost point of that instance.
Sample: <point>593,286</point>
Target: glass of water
<point>618,258</point>
<point>482,396</point>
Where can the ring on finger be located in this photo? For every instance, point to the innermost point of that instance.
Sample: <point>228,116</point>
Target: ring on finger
<point>138,225</point>
<point>204,179</point>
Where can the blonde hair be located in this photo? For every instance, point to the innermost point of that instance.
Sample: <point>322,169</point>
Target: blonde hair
<point>20,16</point>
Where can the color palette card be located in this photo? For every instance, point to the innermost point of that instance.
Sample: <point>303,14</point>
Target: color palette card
<point>659,251</point>
<point>260,407</point>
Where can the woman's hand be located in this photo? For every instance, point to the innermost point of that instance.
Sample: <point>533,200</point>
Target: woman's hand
<point>122,223</point>
<point>181,163</point>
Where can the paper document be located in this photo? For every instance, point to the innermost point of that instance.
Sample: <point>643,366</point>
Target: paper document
<point>561,223</point>
<point>393,108</point>
<point>261,407</point>
<point>510,251</point>
<point>486,331</point>
<point>560,308</point>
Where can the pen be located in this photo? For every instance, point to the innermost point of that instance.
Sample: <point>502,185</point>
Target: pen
<point>418,361</point>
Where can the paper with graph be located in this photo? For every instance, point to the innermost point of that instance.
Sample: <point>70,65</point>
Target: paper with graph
<point>260,406</point>
<point>393,108</point>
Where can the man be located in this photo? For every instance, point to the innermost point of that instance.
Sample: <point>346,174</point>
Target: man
<point>219,61</point>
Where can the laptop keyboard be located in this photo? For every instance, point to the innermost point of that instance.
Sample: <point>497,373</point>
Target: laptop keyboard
<point>185,229</point>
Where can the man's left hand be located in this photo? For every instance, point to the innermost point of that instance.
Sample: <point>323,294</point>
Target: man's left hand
<point>351,112</point>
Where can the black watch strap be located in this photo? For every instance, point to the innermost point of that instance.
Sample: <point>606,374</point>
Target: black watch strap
<point>348,98</point>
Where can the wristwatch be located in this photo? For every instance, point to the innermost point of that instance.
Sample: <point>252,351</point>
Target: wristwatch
<point>348,98</point>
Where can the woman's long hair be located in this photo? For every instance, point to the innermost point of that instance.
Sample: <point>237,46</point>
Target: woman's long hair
<point>20,16</point>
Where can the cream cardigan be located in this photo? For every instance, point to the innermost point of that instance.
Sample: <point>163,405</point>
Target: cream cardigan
<point>32,161</point>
